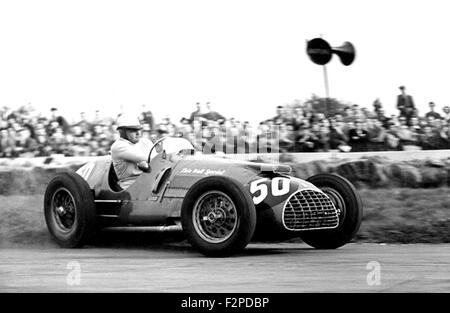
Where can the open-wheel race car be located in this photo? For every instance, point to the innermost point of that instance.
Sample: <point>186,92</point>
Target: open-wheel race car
<point>220,203</point>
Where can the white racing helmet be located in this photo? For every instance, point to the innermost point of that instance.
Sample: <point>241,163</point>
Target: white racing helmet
<point>128,121</point>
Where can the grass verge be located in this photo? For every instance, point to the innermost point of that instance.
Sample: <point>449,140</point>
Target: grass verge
<point>403,215</point>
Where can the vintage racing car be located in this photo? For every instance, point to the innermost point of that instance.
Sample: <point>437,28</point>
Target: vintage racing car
<point>220,203</point>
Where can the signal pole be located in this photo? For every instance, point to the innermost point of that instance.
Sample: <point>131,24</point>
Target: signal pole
<point>327,87</point>
<point>327,90</point>
<point>325,76</point>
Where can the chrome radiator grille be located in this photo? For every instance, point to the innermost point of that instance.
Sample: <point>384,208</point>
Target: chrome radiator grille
<point>309,209</point>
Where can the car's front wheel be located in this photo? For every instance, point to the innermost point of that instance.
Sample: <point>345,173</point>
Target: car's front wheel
<point>349,207</point>
<point>69,210</point>
<point>218,216</point>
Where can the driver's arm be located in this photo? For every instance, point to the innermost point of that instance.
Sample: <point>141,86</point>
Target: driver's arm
<point>130,153</point>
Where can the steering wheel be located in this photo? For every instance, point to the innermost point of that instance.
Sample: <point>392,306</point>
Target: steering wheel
<point>157,142</point>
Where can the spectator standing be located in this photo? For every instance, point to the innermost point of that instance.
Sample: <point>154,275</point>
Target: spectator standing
<point>211,115</point>
<point>97,118</point>
<point>83,123</point>
<point>197,113</point>
<point>62,122</point>
<point>147,117</point>
<point>405,105</point>
<point>281,116</point>
<point>432,112</point>
<point>377,106</point>
<point>446,111</point>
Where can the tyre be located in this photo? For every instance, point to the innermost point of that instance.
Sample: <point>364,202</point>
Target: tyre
<point>350,210</point>
<point>218,216</point>
<point>69,210</point>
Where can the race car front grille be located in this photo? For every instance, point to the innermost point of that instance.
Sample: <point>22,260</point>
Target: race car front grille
<point>309,209</point>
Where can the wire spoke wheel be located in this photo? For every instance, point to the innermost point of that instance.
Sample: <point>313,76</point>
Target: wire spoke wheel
<point>215,217</point>
<point>69,210</point>
<point>218,216</point>
<point>63,208</point>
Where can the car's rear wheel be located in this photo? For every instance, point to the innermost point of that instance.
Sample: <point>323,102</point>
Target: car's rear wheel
<point>69,210</point>
<point>218,216</point>
<point>350,211</point>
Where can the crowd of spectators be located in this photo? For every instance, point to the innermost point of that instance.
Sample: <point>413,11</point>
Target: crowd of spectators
<point>24,132</point>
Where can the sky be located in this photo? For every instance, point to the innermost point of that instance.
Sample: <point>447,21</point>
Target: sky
<point>245,57</point>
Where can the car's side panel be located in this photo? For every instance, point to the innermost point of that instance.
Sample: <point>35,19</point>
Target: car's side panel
<point>94,172</point>
<point>138,204</point>
<point>144,204</point>
<point>146,207</point>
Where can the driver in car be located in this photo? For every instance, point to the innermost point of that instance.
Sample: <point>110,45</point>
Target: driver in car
<point>129,153</point>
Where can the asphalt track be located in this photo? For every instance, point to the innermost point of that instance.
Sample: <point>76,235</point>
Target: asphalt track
<point>274,267</point>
